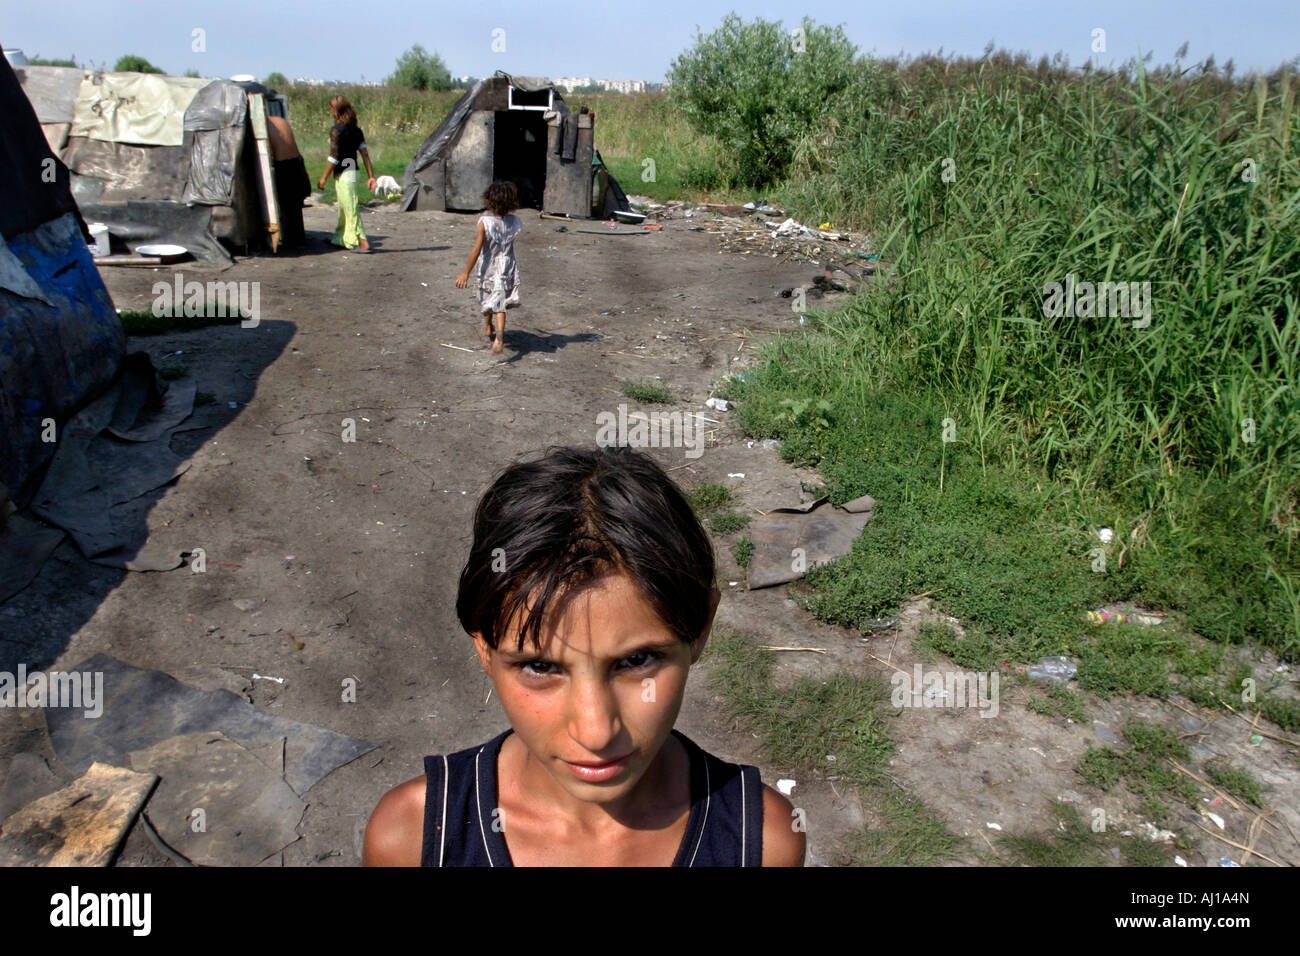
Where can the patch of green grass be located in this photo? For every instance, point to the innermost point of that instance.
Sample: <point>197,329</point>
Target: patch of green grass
<point>911,834</point>
<point>728,522</point>
<point>1285,713</point>
<point>1059,701</point>
<point>1237,782</point>
<point>742,551</point>
<point>843,716</point>
<point>173,372</point>
<point>708,497</point>
<point>648,393</point>
<point>144,322</point>
<point>1144,768</point>
<point>1072,843</point>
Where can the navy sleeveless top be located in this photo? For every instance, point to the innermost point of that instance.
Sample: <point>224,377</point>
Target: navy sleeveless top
<point>725,826</point>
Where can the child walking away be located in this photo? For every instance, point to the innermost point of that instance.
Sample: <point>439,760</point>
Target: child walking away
<point>346,141</point>
<point>498,273</point>
<point>589,593</point>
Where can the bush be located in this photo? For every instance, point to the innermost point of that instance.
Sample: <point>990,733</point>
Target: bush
<point>276,80</point>
<point>134,64</point>
<point>418,69</point>
<point>759,89</point>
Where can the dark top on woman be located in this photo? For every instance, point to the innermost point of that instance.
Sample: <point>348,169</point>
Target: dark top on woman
<point>462,826</point>
<point>345,140</point>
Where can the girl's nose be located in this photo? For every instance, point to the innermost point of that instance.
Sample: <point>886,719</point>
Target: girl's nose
<point>594,717</point>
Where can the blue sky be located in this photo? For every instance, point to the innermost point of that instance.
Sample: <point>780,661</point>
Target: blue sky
<point>631,39</point>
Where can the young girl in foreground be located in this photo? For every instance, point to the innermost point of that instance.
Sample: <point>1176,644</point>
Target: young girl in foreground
<point>346,141</point>
<point>498,273</point>
<point>589,594</point>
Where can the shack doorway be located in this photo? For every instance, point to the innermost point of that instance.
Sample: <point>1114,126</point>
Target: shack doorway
<point>519,153</point>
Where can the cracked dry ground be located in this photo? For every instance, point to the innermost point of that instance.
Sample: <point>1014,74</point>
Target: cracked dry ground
<point>329,560</point>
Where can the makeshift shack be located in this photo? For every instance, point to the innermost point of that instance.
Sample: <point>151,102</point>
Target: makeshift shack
<point>60,339</point>
<point>158,159</point>
<point>519,129</point>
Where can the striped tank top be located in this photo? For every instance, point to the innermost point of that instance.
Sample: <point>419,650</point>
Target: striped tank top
<point>462,828</point>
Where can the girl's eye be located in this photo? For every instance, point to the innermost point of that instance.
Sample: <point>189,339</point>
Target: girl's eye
<point>536,668</point>
<point>641,659</point>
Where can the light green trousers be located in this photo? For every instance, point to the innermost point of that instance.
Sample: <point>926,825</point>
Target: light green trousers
<point>349,232</point>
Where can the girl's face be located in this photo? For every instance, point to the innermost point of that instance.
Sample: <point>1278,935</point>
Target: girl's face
<point>596,705</point>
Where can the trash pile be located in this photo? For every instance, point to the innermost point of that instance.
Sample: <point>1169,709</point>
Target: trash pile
<point>760,228</point>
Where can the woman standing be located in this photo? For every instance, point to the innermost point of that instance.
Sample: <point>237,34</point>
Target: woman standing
<point>346,140</point>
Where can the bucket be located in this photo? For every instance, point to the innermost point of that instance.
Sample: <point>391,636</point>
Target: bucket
<point>99,245</point>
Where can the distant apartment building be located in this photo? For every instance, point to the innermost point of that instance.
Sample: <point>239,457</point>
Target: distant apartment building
<point>610,86</point>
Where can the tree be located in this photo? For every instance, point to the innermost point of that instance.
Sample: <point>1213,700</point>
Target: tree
<point>43,61</point>
<point>418,69</point>
<point>276,79</point>
<point>134,64</point>
<point>192,72</point>
<point>757,88</point>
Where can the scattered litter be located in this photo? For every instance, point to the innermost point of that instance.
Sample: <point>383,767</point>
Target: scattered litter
<point>789,542</point>
<point>1179,860</point>
<point>233,404</point>
<point>1256,740</point>
<point>994,826</point>
<point>1155,834</point>
<point>1101,616</point>
<point>245,604</point>
<point>786,787</point>
<point>278,680</point>
<point>1106,535</point>
<point>1105,733</point>
<point>1228,861</point>
<point>735,474</point>
<point>1070,796</point>
<point>830,758</point>
<point>1055,669</point>
<point>719,403</point>
<point>732,584</point>
<point>1148,620</point>
<point>425,284</point>
<point>1218,820</point>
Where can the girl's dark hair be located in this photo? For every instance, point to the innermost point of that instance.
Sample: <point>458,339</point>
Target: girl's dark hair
<point>548,527</point>
<point>343,110</point>
<point>501,197</point>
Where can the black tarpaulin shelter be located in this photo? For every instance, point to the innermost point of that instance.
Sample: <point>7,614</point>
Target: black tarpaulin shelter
<point>519,129</point>
<point>60,339</point>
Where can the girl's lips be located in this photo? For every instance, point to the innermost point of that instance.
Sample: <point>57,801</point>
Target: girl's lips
<point>594,773</point>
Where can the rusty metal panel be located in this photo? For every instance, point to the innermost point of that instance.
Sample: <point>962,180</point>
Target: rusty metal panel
<point>568,183</point>
<point>469,164</point>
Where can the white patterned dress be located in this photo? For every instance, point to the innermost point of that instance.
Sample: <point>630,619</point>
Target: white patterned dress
<point>498,273</point>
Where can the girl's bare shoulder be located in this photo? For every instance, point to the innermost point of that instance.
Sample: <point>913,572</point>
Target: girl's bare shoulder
<point>784,841</point>
<point>395,833</point>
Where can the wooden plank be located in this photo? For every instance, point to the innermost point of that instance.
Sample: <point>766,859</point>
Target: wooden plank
<point>81,825</point>
<point>266,179</point>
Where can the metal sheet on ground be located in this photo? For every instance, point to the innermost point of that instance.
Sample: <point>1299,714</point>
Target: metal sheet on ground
<point>143,707</point>
<point>248,812</point>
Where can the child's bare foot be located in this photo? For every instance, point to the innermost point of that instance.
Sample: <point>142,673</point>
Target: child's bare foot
<point>497,347</point>
<point>365,245</point>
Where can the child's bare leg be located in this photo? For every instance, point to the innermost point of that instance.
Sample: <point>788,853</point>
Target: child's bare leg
<point>498,345</point>
<point>487,324</point>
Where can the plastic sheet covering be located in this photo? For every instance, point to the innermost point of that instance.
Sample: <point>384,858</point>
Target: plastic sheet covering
<point>55,355</point>
<point>146,109</point>
<point>436,143</point>
<point>215,125</point>
<point>26,164</point>
<point>52,90</point>
<point>128,172</point>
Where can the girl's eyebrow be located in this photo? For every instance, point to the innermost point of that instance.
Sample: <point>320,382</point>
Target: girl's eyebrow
<point>532,653</point>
